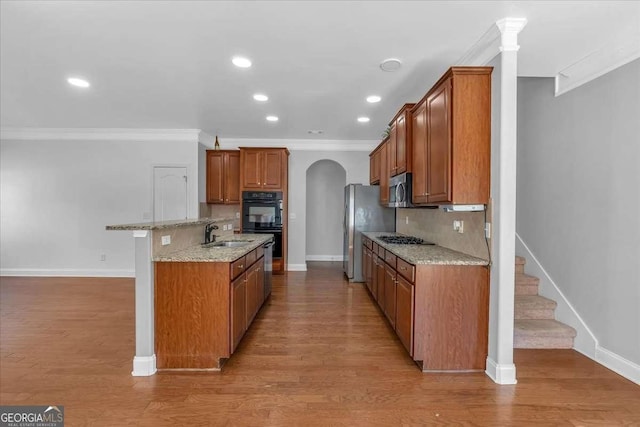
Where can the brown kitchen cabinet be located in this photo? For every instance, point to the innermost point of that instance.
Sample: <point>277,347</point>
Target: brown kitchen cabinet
<point>400,141</point>
<point>451,139</point>
<point>263,169</point>
<point>203,309</point>
<point>384,173</point>
<point>374,166</point>
<point>439,312</point>
<point>223,176</point>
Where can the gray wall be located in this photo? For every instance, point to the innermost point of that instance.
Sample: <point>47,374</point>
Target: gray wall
<point>579,197</point>
<point>326,180</point>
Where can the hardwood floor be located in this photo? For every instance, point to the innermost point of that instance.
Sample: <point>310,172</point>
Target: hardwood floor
<point>319,353</point>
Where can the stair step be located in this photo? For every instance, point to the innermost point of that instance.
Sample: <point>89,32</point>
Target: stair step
<point>526,285</point>
<point>542,334</point>
<point>534,307</point>
<point>520,262</point>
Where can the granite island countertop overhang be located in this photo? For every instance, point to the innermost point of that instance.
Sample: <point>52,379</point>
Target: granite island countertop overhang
<point>424,254</point>
<point>161,225</point>
<point>199,253</point>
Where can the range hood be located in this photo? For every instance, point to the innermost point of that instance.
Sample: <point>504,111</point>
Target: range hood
<point>463,208</point>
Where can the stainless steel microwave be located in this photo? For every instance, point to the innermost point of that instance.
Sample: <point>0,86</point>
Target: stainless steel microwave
<point>400,191</point>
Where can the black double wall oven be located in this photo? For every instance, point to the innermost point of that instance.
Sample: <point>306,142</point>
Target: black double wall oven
<point>262,213</point>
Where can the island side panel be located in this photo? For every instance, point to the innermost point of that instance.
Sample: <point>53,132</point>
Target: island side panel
<point>451,317</point>
<point>192,314</point>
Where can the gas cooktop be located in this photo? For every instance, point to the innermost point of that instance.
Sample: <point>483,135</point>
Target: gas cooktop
<point>404,240</point>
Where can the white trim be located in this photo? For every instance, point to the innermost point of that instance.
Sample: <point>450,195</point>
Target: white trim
<point>64,272</point>
<point>501,374</point>
<point>296,144</point>
<point>618,364</point>
<point>144,366</point>
<point>624,49</point>
<point>324,257</point>
<point>99,134</point>
<point>585,341</point>
<point>500,37</point>
<point>296,267</point>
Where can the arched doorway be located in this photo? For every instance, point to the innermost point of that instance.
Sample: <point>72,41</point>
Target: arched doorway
<point>326,180</point>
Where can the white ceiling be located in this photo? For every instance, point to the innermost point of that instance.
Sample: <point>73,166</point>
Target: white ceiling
<point>168,64</point>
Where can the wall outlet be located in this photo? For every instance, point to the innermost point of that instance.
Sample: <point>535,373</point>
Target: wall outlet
<point>224,227</point>
<point>166,240</point>
<point>292,215</point>
<point>103,257</point>
<point>406,220</point>
<point>237,214</point>
<point>458,225</point>
<point>487,230</point>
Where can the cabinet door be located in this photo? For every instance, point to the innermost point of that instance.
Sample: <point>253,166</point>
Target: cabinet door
<point>238,311</point>
<point>404,312</point>
<point>379,281</point>
<point>215,177</point>
<point>272,173</point>
<point>401,144</point>
<point>384,174</point>
<point>251,169</point>
<point>252,294</point>
<point>232,175</point>
<point>391,152</point>
<point>439,144</point>
<point>390,294</point>
<point>260,283</point>
<point>420,159</point>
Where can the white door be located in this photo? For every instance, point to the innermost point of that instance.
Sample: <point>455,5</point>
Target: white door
<point>169,193</point>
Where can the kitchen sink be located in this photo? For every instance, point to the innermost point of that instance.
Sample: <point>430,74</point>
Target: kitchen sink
<point>227,244</point>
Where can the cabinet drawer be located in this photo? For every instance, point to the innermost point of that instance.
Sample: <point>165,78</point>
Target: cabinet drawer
<point>408,271</point>
<point>390,259</point>
<point>374,247</point>
<point>251,257</point>
<point>366,242</point>
<point>259,252</point>
<point>381,251</point>
<point>238,267</point>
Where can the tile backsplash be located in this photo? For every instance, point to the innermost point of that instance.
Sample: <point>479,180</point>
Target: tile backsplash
<point>221,211</point>
<point>436,226</point>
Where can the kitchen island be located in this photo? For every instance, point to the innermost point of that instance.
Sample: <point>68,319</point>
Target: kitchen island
<point>436,300</point>
<point>206,297</point>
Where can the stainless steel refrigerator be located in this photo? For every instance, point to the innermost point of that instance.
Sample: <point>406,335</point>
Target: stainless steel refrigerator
<point>362,212</point>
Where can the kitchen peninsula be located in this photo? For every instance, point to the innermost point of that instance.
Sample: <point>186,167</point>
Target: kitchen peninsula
<point>172,243</point>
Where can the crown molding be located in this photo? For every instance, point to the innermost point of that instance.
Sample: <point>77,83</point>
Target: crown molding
<point>500,37</point>
<point>296,144</point>
<point>624,49</point>
<point>99,134</point>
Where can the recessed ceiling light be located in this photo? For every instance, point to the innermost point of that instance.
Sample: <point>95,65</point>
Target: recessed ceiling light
<point>260,97</point>
<point>75,81</point>
<point>272,118</point>
<point>373,99</point>
<point>363,119</point>
<point>390,64</point>
<point>241,62</point>
<point>315,131</point>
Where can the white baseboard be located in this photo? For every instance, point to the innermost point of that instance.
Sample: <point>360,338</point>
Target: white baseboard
<point>585,341</point>
<point>618,364</point>
<point>144,366</point>
<point>504,374</point>
<point>65,272</point>
<point>296,267</point>
<point>325,257</point>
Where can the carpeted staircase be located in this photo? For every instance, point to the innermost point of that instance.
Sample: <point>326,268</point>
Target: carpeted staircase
<point>535,325</point>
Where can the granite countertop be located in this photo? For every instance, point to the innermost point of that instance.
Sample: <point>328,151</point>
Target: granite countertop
<point>201,253</point>
<point>161,225</point>
<point>425,254</point>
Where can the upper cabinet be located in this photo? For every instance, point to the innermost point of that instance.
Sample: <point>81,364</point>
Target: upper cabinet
<point>451,138</point>
<point>374,166</point>
<point>384,171</point>
<point>223,176</point>
<point>400,141</point>
<point>263,169</point>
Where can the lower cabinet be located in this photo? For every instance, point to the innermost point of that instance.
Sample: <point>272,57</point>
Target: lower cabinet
<point>439,312</point>
<point>203,309</point>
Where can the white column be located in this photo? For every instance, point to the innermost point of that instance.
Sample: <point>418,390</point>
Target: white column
<point>144,362</point>
<point>500,366</point>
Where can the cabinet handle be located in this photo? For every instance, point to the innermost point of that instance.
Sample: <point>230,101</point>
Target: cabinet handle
<point>403,268</point>
<point>241,266</point>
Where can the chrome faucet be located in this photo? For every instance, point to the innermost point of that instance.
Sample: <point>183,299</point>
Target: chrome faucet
<point>208,233</point>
